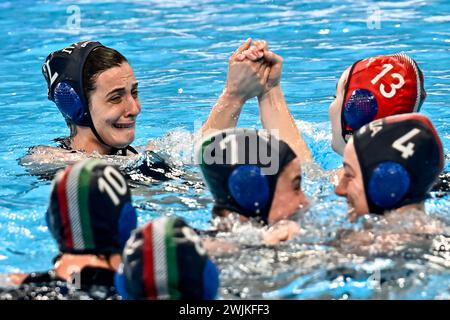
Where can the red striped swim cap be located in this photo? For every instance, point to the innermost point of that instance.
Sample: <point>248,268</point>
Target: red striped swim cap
<point>378,87</point>
<point>90,209</point>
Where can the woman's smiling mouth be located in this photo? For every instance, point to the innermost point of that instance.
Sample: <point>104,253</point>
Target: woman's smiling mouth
<point>124,125</point>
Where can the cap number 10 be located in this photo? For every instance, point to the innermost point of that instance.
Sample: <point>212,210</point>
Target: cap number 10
<point>114,180</point>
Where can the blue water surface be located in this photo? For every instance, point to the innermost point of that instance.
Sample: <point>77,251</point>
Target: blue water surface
<point>179,51</point>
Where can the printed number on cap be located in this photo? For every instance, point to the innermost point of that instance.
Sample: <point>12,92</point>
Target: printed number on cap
<point>51,76</point>
<point>400,144</point>
<point>192,236</point>
<point>394,86</point>
<point>113,185</point>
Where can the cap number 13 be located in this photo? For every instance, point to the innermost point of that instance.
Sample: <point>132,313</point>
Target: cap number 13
<point>394,86</point>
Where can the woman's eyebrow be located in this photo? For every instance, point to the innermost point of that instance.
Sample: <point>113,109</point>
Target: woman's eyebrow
<point>349,167</point>
<point>120,91</point>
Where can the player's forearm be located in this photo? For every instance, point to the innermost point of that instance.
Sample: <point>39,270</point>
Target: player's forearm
<point>275,115</point>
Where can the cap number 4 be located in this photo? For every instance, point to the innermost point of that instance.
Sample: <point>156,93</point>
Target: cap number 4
<point>407,150</point>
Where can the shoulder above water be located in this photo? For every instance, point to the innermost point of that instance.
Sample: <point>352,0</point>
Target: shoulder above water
<point>45,161</point>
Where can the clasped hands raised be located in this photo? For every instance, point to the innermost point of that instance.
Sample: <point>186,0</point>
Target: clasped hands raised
<point>253,70</point>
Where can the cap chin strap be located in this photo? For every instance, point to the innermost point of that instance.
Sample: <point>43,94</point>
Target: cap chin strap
<point>99,138</point>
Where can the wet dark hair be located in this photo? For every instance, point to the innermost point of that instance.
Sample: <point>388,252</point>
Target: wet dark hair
<point>218,211</point>
<point>99,60</point>
<point>104,256</point>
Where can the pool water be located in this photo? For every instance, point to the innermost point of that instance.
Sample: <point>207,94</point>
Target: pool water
<point>179,51</point>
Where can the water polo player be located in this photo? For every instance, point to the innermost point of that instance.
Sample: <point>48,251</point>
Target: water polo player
<point>256,72</point>
<point>254,174</point>
<point>165,259</point>
<point>91,217</point>
<point>371,89</point>
<point>391,165</point>
<point>95,90</point>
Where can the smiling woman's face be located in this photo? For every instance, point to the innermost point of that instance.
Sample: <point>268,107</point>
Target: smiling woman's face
<point>334,112</point>
<point>114,105</point>
<point>351,185</point>
<point>288,197</point>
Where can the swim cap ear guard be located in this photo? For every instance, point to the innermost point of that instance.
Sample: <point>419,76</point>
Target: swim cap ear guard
<point>249,187</point>
<point>241,168</point>
<point>165,259</point>
<point>120,283</point>
<point>388,184</point>
<point>360,109</point>
<point>378,87</point>
<point>63,71</point>
<point>127,223</point>
<point>90,209</point>
<point>69,104</point>
<point>400,157</point>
